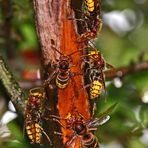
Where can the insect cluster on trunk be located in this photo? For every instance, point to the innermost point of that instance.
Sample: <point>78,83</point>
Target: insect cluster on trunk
<point>63,74</point>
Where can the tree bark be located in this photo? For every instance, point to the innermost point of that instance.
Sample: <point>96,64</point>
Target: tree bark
<point>55,30</point>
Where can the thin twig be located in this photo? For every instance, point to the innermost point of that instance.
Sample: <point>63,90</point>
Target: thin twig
<point>123,71</point>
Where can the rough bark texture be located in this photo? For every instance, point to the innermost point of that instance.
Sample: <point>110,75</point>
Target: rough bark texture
<point>48,24</point>
<point>55,30</point>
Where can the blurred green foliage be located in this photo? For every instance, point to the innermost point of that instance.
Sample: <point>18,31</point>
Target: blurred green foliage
<point>129,121</point>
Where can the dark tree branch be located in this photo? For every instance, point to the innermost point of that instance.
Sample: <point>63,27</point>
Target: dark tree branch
<point>15,92</point>
<point>123,71</point>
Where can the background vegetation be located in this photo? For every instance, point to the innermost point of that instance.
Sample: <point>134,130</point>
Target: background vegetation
<point>123,41</point>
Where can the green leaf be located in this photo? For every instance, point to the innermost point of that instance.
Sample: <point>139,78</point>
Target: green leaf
<point>107,111</point>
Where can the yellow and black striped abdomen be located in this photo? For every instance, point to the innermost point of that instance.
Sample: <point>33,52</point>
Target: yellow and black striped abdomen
<point>90,4</point>
<point>95,89</point>
<point>33,132</point>
<point>61,81</point>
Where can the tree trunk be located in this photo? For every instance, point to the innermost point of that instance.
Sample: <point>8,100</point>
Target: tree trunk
<point>56,31</point>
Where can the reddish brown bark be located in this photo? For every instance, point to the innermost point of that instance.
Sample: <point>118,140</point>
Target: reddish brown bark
<point>55,30</point>
<point>68,45</point>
